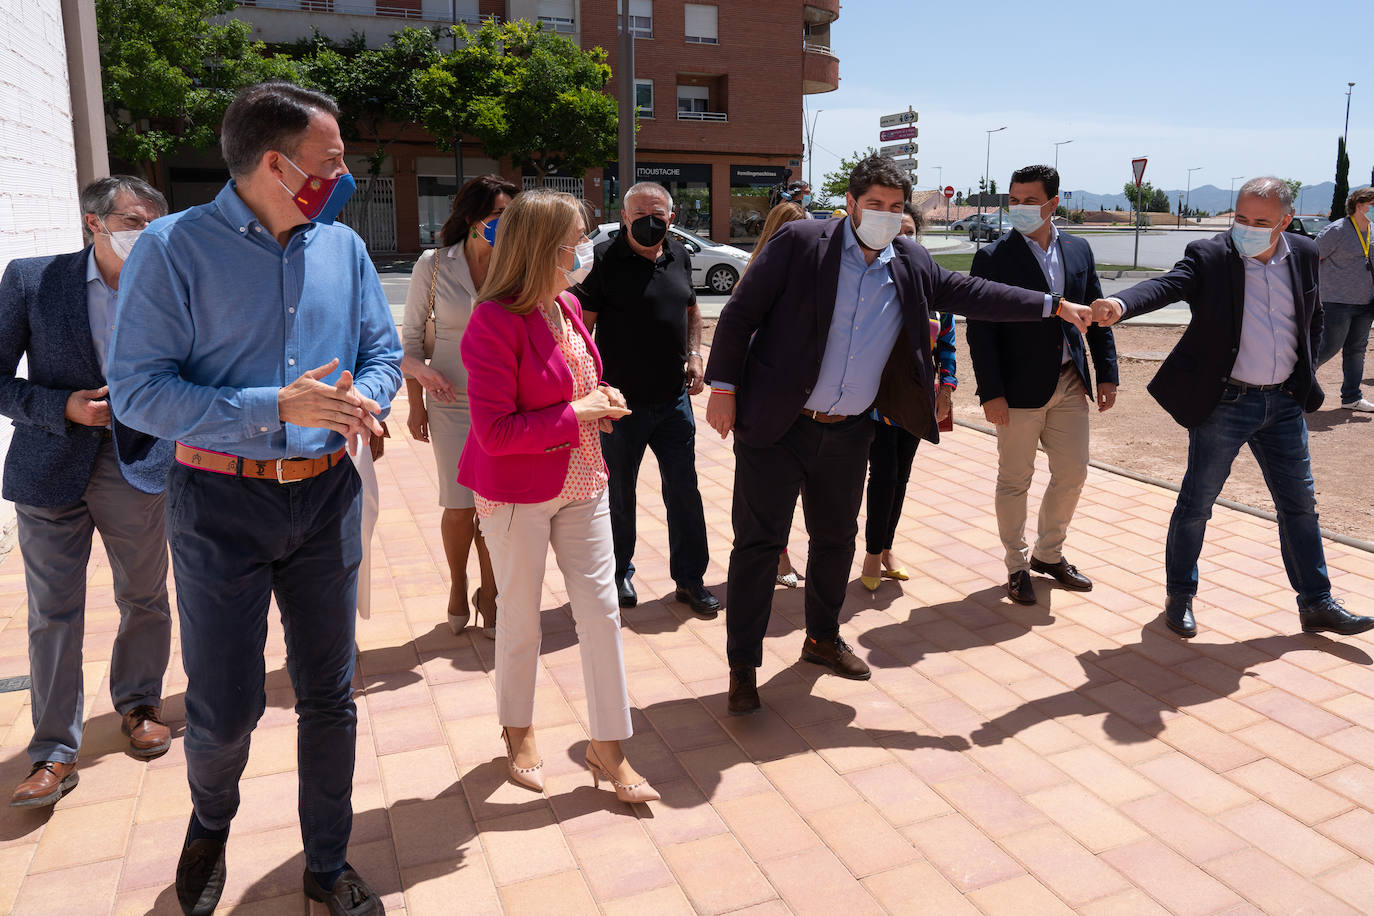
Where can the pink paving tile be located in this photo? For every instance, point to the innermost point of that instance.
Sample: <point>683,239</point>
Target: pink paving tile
<point>1296,751</point>
<point>1194,836</point>
<point>809,783</point>
<point>1179,885</point>
<point>898,794</point>
<point>1272,887</point>
<point>1103,774</point>
<point>767,826</point>
<point>1194,783</point>
<point>67,890</point>
<point>665,901</point>
<point>917,889</point>
<point>1022,896</point>
<point>565,892</point>
<point>717,875</point>
<point>862,839</point>
<point>1133,902</point>
<point>1063,865</point>
<point>434,831</point>
<point>434,888</point>
<point>619,860</point>
<point>1299,796</point>
<point>1291,842</point>
<point>523,846</point>
<point>1086,817</point>
<point>425,773</point>
<point>84,834</point>
<point>989,804</point>
<point>1295,712</point>
<point>1353,883</point>
<point>682,815</point>
<point>961,852</point>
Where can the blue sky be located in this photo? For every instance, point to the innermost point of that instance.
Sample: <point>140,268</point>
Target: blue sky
<point>1238,88</point>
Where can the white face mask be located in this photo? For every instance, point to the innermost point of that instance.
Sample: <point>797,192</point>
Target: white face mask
<point>582,262</point>
<point>1251,241</point>
<point>1026,218</point>
<point>878,228</point>
<point>122,242</point>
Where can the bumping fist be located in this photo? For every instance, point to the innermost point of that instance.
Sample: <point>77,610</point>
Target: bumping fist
<point>1106,312</point>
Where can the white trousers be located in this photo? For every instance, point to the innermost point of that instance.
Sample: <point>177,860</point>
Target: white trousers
<point>367,473</point>
<point>579,531</point>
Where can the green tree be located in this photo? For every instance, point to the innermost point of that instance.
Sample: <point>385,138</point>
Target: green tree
<point>835,184</point>
<point>1295,187</point>
<point>1158,202</point>
<point>1342,190</point>
<point>168,73</point>
<point>524,93</point>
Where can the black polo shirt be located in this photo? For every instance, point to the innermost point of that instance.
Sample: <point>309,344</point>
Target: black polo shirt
<point>641,318</point>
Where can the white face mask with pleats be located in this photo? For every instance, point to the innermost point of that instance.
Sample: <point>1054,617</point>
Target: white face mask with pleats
<point>878,228</point>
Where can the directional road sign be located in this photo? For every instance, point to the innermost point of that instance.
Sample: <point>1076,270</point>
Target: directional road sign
<point>897,133</point>
<point>898,149</point>
<point>906,162</point>
<point>901,117</point>
<point>1138,166</point>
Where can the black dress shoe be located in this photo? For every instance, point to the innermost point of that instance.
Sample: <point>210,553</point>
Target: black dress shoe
<point>1063,572</point>
<point>744,691</point>
<point>836,655</point>
<point>1019,588</point>
<point>703,603</point>
<point>625,593</point>
<point>200,876</point>
<point>350,895</point>
<point>1328,615</point>
<point>1178,615</point>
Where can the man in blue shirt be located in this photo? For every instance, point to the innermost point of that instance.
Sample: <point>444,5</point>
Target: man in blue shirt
<point>256,334</point>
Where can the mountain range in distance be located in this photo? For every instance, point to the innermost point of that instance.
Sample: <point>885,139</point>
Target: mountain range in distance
<point>1314,199</point>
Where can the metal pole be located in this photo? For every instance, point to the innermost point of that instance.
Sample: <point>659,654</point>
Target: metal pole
<point>457,135</point>
<point>1233,198</point>
<point>1136,219</point>
<point>1056,152</point>
<point>1188,198</point>
<point>1348,88</point>
<point>811,147</point>
<point>987,164</point>
<point>627,104</point>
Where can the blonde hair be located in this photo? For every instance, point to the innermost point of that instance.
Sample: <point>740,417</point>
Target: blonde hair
<point>524,263</point>
<point>785,212</point>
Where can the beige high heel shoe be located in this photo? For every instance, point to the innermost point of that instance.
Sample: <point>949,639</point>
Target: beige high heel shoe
<point>458,622</point>
<point>488,631</point>
<point>529,777</point>
<point>639,792</point>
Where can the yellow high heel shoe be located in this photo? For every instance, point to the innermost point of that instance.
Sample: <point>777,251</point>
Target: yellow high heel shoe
<point>899,574</point>
<point>529,777</point>
<point>871,582</point>
<point>637,793</point>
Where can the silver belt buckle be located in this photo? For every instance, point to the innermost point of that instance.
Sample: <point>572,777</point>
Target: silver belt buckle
<point>281,479</point>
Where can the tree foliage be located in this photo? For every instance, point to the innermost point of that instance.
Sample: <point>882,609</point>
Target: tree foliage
<point>835,184</point>
<point>1342,189</point>
<point>168,73</point>
<point>525,93</point>
<point>1152,199</point>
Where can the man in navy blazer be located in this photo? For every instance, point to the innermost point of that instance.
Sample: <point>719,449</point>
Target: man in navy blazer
<point>1034,383</point>
<point>1243,374</point>
<point>831,320</point>
<point>73,469</point>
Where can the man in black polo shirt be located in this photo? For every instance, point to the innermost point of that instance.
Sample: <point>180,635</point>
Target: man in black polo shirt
<point>640,301</point>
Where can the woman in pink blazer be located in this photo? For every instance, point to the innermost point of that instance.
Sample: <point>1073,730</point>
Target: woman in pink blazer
<point>533,461</point>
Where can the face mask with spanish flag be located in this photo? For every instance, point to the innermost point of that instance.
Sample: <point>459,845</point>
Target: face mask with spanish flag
<point>321,199</point>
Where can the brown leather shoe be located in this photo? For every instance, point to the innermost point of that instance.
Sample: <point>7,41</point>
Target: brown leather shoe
<point>149,737</point>
<point>836,655</point>
<point>744,691</point>
<point>47,782</point>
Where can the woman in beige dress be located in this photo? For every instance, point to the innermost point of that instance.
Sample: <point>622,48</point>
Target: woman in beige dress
<point>437,389</point>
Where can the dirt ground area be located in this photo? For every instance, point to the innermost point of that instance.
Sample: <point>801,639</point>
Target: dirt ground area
<point>1139,436</point>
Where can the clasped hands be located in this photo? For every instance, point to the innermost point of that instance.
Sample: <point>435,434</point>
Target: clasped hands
<point>604,404</point>
<point>341,407</point>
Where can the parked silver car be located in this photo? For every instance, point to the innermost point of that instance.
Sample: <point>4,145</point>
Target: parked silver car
<point>715,267</point>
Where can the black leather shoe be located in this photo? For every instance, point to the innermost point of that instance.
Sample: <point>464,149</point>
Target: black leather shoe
<point>836,655</point>
<point>1328,615</point>
<point>703,603</point>
<point>1063,572</point>
<point>1178,615</point>
<point>744,691</point>
<point>200,876</point>
<point>625,593</point>
<point>350,895</point>
<point>1019,588</point>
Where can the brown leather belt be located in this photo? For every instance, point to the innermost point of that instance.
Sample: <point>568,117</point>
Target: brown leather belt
<point>282,470</point>
<point>824,417</point>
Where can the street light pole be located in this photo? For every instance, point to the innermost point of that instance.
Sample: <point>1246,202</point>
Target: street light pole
<point>458,135</point>
<point>987,164</point>
<point>811,146</point>
<point>1234,179</point>
<point>1348,88</point>
<point>1188,194</point>
<point>1056,152</point>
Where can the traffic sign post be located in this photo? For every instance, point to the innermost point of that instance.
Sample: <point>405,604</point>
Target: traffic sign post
<point>898,133</point>
<point>948,192</point>
<point>1138,167</point>
<point>901,117</point>
<point>894,150</point>
<point>900,126</point>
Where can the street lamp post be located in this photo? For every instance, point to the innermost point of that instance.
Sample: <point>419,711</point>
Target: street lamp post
<point>1234,179</point>
<point>811,147</point>
<point>458,136</point>
<point>1188,194</point>
<point>1348,88</point>
<point>1056,152</point>
<point>987,164</point>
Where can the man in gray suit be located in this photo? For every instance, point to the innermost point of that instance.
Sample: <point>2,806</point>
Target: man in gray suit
<point>71,470</point>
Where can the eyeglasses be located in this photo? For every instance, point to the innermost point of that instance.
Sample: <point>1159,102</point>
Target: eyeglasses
<point>132,220</point>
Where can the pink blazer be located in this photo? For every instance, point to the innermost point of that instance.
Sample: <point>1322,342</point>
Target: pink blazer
<point>520,391</point>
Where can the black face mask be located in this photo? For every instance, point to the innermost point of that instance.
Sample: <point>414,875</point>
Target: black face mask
<point>648,230</point>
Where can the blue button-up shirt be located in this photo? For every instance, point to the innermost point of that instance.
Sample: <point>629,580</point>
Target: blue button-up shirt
<point>1268,348</point>
<point>100,311</point>
<point>863,329</point>
<point>1052,267</point>
<point>215,316</point>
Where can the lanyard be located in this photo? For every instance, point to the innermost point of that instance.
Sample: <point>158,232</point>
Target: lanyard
<point>1364,239</point>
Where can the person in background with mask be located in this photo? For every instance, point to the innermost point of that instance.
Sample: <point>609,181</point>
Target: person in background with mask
<point>533,459</point>
<point>830,321</point>
<point>74,469</point>
<point>256,334</point>
<point>640,302</point>
<point>443,288</point>
<point>1243,373</point>
<point>1347,291</point>
<point>1034,382</point>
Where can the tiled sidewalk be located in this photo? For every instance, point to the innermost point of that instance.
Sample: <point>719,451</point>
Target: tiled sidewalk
<point>1003,759</point>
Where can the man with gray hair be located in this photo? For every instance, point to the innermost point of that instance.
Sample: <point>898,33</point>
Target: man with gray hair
<point>73,469</point>
<point>640,300</point>
<point>1243,373</point>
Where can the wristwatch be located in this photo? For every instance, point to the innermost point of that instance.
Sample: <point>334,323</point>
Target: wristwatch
<point>1055,299</point>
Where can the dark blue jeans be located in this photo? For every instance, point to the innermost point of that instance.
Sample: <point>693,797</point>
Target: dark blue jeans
<point>1346,331</point>
<point>1271,423</point>
<point>671,431</point>
<point>236,542</point>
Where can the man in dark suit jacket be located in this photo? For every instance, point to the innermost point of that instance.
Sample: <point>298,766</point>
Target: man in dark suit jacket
<point>831,319</point>
<point>1034,383</point>
<point>1243,374</point>
<point>72,469</point>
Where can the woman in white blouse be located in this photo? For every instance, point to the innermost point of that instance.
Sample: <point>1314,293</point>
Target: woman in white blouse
<point>437,387</point>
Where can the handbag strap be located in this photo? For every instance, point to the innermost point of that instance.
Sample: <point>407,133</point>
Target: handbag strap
<point>433,281</point>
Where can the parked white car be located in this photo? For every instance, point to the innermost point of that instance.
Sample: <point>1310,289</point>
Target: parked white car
<point>715,267</point>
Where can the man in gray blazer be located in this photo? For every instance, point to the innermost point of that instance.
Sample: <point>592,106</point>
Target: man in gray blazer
<point>71,470</point>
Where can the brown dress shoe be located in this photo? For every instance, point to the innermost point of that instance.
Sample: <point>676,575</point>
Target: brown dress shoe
<point>744,691</point>
<point>149,737</point>
<point>836,655</point>
<point>48,781</point>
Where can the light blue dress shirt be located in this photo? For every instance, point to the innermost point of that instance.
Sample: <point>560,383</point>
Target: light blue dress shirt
<point>100,311</point>
<point>1052,266</point>
<point>215,316</point>
<point>863,329</point>
<point>1268,348</point>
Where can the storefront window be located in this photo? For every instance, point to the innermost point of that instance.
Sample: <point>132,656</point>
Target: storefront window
<point>749,187</point>
<point>689,183</point>
<point>436,200</point>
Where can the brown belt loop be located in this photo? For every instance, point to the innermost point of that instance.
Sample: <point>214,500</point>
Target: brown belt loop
<point>282,470</point>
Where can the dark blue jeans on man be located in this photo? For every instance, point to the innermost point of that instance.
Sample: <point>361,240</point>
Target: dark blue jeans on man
<point>235,543</point>
<point>1345,330</point>
<point>1272,424</point>
<point>671,432</point>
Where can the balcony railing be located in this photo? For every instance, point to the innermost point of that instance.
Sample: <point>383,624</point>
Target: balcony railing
<point>701,116</point>
<point>819,48</point>
<point>350,8</point>
<point>558,24</point>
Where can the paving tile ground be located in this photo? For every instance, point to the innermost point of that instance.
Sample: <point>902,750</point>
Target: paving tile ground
<point>1068,756</point>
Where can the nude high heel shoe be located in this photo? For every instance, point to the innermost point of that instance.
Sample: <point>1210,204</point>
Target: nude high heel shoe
<point>637,793</point>
<point>529,777</point>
